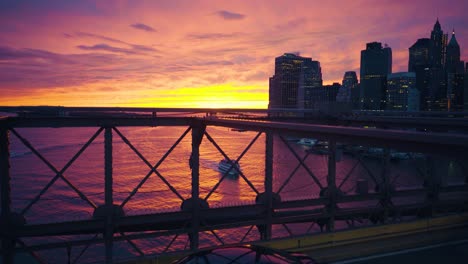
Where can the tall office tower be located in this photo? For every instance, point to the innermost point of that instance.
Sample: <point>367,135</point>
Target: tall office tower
<point>419,55</point>
<point>402,94</point>
<point>452,62</point>
<point>455,75</point>
<point>294,83</point>
<point>348,87</point>
<point>420,63</point>
<point>438,46</point>
<point>456,91</point>
<point>331,91</point>
<point>465,90</point>
<point>376,63</point>
<point>315,92</point>
<point>436,100</point>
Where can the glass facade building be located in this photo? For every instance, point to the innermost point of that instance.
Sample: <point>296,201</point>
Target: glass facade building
<point>402,94</point>
<point>376,64</point>
<point>297,82</point>
<point>349,88</point>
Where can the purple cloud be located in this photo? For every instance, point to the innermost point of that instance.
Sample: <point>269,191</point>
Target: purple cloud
<point>8,53</point>
<point>97,36</point>
<point>32,68</point>
<point>230,15</point>
<point>143,27</point>
<point>213,36</point>
<point>105,47</point>
<point>292,24</point>
<point>135,48</point>
<point>143,48</point>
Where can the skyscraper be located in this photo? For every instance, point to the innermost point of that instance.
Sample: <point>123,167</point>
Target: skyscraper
<point>455,75</point>
<point>465,89</point>
<point>402,94</point>
<point>420,63</point>
<point>452,62</point>
<point>314,92</point>
<point>295,82</point>
<point>376,64</point>
<point>349,88</point>
<point>331,91</point>
<point>419,55</point>
<point>436,98</point>
<point>438,45</point>
<point>455,91</point>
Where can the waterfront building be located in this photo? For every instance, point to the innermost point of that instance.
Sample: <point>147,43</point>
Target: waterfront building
<point>420,63</point>
<point>331,91</point>
<point>376,64</point>
<point>402,94</point>
<point>465,90</point>
<point>414,100</point>
<point>297,82</point>
<point>438,46</point>
<point>436,98</point>
<point>455,91</point>
<point>455,76</point>
<point>419,55</point>
<point>452,62</point>
<point>348,87</point>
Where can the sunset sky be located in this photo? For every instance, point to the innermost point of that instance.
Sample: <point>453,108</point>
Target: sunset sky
<point>195,53</point>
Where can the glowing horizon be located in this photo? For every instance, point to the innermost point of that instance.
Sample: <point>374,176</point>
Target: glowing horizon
<point>194,53</point>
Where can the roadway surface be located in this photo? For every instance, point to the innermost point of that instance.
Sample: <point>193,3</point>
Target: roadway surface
<point>451,252</point>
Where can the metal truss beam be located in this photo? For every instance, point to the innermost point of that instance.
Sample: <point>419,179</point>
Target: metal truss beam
<point>153,169</point>
<point>59,174</point>
<point>453,145</point>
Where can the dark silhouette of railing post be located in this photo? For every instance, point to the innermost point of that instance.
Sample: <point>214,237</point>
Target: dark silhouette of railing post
<point>268,183</point>
<point>8,242</point>
<point>386,188</point>
<point>331,185</point>
<point>196,203</point>
<point>433,183</point>
<point>108,194</point>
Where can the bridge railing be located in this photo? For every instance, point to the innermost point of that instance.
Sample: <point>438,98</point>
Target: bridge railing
<point>114,193</point>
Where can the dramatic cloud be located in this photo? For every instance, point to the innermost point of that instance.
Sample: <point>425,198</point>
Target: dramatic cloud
<point>230,15</point>
<point>143,48</point>
<point>105,47</point>
<point>213,36</point>
<point>143,27</point>
<point>291,24</point>
<point>33,56</point>
<point>135,48</point>
<point>97,36</point>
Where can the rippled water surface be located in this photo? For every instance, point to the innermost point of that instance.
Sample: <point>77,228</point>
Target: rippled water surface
<point>61,203</point>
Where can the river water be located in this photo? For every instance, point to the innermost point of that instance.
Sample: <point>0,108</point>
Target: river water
<point>60,203</point>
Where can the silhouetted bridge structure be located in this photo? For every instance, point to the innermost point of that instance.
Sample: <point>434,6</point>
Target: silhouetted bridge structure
<point>440,203</point>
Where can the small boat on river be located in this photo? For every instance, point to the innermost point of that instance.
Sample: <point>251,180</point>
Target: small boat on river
<point>230,166</point>
<point>307,142</point>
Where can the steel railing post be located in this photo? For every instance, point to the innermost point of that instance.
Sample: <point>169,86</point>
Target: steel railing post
<point>386,188</point>
<point>198,130</point>
<point>268,184</point>
<point>8,243</point>
<point>331,185</point>
<point>108,194</point>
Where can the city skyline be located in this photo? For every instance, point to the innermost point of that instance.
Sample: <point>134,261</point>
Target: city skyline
<point>194,53</point>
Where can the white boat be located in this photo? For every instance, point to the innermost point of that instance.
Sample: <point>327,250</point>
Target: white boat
<point>224,166</point>
<point>307,141</point>
<point>238,129</point>
<point>396,156</point>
